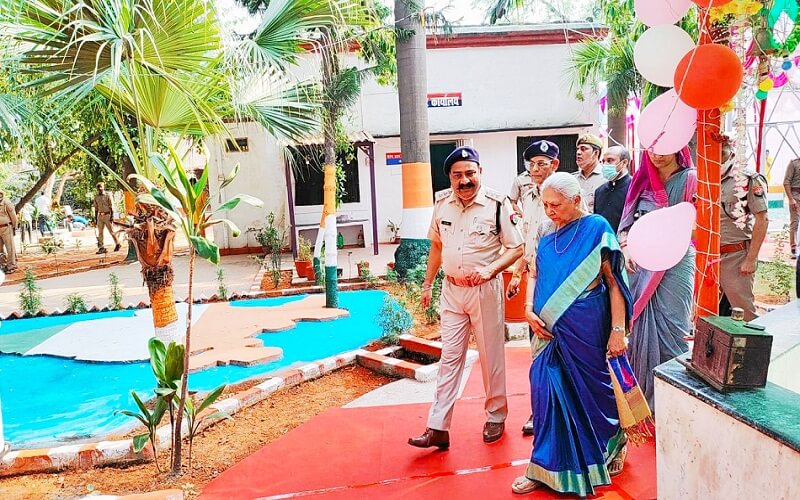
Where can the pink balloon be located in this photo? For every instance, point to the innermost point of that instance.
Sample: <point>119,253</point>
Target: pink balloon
<point>667,124</point>
<point>660,239</point>
<point>655,12</point>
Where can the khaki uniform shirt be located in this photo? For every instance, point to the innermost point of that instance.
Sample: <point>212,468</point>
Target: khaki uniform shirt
<point>791,180</point>
<point>532,217</point>
<point>521,185</point>
<point>7,213</point>
<point>469,235</point>
<point>590,184</point>
<point>102,203</point>
<point>756,203</point>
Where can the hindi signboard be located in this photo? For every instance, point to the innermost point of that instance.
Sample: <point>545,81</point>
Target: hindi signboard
<point>445,100</point>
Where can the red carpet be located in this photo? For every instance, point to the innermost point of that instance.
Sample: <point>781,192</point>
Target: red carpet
<point>362,453</point>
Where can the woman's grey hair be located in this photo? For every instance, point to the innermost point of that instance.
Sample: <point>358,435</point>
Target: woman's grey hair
<point>563,183</point>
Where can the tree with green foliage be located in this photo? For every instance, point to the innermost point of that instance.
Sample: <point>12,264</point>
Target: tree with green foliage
<point>166,68</point>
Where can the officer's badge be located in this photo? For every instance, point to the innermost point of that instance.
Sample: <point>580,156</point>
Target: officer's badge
<point>464,153</point>
<point>515,218</point>
<point>544,147</point>
<point>758,190</point>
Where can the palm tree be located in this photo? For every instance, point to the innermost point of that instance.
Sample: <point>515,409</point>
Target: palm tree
<point>162,67</point>
<point>412,84</point>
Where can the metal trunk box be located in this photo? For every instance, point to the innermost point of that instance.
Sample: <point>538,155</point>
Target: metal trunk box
<point>731,354</point>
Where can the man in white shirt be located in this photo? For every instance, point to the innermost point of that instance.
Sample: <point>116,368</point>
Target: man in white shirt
<point>589,149</point>
<point>43,204</point>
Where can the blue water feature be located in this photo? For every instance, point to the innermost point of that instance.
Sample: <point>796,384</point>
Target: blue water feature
<point>47,400</point>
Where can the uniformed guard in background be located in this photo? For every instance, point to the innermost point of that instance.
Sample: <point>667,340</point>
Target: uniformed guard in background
<point>739,247</point>
<point>521,185</point>
<point>791,184</point>
<point>103,214</point>
<point>470,225</point>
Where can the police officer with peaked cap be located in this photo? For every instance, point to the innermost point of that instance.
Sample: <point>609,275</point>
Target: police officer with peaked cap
<point>470,225</point>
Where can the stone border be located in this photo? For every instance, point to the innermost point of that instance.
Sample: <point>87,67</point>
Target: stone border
<point>382,361</point>
<point>103,453</point>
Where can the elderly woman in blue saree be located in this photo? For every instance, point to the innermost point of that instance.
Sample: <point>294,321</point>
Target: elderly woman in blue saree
<point>663,300</point>
<point>580,310</point>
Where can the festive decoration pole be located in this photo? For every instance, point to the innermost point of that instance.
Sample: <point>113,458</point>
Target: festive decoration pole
<point>709,155</point>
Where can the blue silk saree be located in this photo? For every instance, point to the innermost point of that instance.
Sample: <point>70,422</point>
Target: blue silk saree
<point>575,420</point>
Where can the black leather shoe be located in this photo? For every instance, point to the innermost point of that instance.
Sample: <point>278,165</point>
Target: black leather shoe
<point>431,437</point>
<point>492,431</point>
<point>117,247</point>
<point>101,250</point>
<point>527,429</point>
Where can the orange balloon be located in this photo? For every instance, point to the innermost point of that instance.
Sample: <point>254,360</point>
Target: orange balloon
<point>708,76</point>
<point>710,3</point>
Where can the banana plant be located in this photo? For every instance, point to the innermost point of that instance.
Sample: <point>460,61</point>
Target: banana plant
<point>150,420</point>
<point>193,412</point>
<point>188,207</point>
<point>167,365</point>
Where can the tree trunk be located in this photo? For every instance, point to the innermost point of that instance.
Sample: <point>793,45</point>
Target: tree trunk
<point>62,182</point>
<point>49,170</point>
<point>412,83</point>
<point>617,125</point>
<point>177,436</point>
<point>330,68</point>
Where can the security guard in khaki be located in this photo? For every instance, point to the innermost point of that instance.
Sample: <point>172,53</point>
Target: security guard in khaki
<point>104,211</point>
<point>791,184</point>
<point>519,188</point>
<point>470,225</point>
<point>8,221</point>
<point>739,247</point>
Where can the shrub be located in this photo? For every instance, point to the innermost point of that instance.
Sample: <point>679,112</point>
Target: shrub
<point>114,292</point>
<point>304,249</point>
<point>394,320</point>
<point>75,303</point>
<point>222,289</point>
<point>30,295</point>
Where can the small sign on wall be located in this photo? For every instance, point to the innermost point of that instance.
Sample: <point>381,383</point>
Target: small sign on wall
<point>446,100</point>
<point>394,158</point>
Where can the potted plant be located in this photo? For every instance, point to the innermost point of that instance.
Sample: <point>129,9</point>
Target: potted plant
<point>363,268</point>
<point>272,238</point>
<point>303,262</point>
<point>395,230</point>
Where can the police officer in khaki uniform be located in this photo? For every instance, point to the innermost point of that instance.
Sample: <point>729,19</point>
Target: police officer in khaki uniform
<point>519,188</point>
<point>8,221</point>
<point>791,184</point>
<point>103,213</point>
<point>739,247</point>
<point>588,151</point>
<point>470,225</point>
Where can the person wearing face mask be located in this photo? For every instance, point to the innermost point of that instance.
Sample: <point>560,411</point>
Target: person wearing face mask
<point>103,214</point>
<point>739,246</point>
<point>470,225</point>
<point>8,222</point>
<point>589,150</point>
<point>609,198</point>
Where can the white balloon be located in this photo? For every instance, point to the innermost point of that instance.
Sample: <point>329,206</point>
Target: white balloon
<point>661,238</point>
<point>659,50</point>
<point>657,12</point>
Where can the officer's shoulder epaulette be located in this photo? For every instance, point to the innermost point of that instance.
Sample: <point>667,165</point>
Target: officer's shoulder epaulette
<point>441,195</point>
<point>495,195</point>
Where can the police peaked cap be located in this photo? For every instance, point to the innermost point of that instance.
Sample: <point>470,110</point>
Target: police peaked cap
<point>541,148</point>
<point>591,140</point>
<point>464,153</point>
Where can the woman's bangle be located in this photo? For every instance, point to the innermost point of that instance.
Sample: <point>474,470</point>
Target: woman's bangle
<point>623,244</point>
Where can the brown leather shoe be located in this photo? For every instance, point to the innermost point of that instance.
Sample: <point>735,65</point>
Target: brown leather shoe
<point>492,431</point>
<point>431,437</point>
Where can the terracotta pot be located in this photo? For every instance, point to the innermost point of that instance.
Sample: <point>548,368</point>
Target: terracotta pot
<point>515,307</point>
<point>390,265</point>
<point>363,270</point>
<point>267,283</point>
<point>310,274</point>
<point>302,267</point>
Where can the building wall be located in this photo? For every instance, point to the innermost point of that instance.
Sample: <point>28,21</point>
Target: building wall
<point>507,91</point>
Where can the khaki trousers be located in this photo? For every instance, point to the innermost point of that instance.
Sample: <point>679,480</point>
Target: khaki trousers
<point>7,246</point>
<point>738,289</point>
<point>104,221</point>
<point>794,219</point>
<point>478,309</point>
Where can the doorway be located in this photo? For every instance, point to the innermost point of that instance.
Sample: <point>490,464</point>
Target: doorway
<point>439,153</point>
